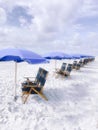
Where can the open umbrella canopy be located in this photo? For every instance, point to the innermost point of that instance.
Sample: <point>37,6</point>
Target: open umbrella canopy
<point>75,56</point>
<point>57,55</point>
<point>87,56</point>
<point>20,55</point>
<point>83,55</point>
<point>78,56</point>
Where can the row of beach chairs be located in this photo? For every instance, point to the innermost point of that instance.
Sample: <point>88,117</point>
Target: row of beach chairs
<point>36,86</point>
<point>66,69</point>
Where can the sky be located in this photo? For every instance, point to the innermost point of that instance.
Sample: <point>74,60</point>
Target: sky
<point>70,26</point>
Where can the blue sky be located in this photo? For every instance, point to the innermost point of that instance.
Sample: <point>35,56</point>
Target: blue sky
<point>67,25</point>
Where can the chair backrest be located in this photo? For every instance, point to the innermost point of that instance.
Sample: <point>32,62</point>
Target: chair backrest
<point>41,77</point>
<point>85,61</point>
<point>74,63</point>
<point>63,67</point>
<point>69,68</point>
<point>38,75</point>
<point>78,65</point>
<point>80,61</point>
<point>71,65</point>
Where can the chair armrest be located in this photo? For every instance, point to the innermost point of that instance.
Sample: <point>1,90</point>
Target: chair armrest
<point>29,77</point>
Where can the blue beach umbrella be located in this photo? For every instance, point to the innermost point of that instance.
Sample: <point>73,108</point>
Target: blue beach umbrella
<point>87,56</point>
<point>78,56</point>
<point>57,56</point>
<point>20,55</point>
<point>75,56</point>
<point>83,56</point>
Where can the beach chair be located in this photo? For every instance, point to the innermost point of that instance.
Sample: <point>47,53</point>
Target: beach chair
<point>81,63</point>
<point>85,61</point>
<point>36,86</point>
<point>68,70</point>
<point>62,69</point>
<point>71,65</point>
<point>74,64</point>
<point>65,69</point>
<point>78,66</point>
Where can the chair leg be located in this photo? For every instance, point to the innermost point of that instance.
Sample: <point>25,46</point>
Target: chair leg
<point>24,101</point>
<point>40,94</point>
<point>23,94</point>
<point>26,98</point>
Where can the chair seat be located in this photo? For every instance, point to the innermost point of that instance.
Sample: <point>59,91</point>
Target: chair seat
<point>60,72</point>
<point>28,83</point>
<point>66,73</point>
<point>27,89</point>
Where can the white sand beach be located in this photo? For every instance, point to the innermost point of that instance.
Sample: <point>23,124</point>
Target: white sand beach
<point>72,102</point>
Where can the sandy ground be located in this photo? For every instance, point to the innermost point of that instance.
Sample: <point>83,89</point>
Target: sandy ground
<point>72,102</point>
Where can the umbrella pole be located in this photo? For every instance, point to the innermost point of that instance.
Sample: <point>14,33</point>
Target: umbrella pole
<point>15,80</point>
<point>55,64</point>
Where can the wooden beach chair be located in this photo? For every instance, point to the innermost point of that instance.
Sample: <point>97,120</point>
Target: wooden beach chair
<point>68,70</point>
<point>71,65</point>
<point>76,65</point>
<point>36,86</point>
<point>81,63</point>
<point>65,69</point>
<point>62,69</point>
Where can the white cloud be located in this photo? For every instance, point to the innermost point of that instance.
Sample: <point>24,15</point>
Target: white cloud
<point>54,16</point>
<point>2,16</point>
<point>90,8</point>
<point>52,25</point>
